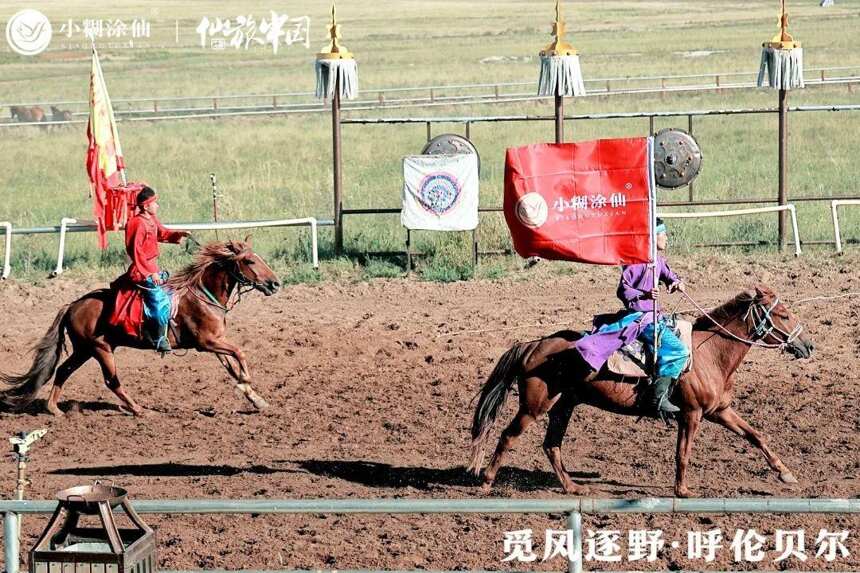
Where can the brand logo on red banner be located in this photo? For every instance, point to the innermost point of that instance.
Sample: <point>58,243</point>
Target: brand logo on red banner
<point>587,202</point>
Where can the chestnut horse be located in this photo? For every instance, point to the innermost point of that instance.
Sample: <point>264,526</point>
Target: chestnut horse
<point>552,378</point>
<point>27,114</point>
<point>202,292</point>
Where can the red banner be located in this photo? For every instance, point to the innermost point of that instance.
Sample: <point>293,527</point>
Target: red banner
<point>585,202</point>
<point>104,154</point>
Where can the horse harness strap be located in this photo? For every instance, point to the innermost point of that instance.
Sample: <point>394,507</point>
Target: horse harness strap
<point>764,325</point>
<point>211,299</point>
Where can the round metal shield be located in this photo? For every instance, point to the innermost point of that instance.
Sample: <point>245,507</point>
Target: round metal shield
<point>677,158</point>
<point>450,143</point>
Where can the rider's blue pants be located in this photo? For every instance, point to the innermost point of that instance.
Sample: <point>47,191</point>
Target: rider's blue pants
<point>156,303</point>
<point>673,354</point>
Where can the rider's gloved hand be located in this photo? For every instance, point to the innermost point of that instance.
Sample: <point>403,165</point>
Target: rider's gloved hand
<point>655,292</point>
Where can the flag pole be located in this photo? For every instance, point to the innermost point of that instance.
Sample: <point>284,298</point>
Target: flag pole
<point>652,203</point>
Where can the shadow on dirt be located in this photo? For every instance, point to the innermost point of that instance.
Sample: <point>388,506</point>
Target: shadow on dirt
<point>169,470</point>
<point>376,474</point>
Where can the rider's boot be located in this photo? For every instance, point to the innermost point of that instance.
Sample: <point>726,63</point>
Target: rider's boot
<point>657,399</point>
<point>163,344</point>
<point>156,335</point>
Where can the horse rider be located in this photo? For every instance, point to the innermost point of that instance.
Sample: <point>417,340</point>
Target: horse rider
<point>142,234</point>
<point>636,290</point>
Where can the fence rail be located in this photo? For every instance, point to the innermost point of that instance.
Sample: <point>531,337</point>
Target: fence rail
<point>70,225</point>
<point>598,86</point>
<point>833,208</point>
<point>571,508</point>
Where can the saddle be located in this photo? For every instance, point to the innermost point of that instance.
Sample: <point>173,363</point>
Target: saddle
<point>128,313</point>
<point>632,360</point>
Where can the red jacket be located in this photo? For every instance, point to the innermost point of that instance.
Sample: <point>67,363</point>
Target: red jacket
<point>142,236</point>
<point>141,243</point>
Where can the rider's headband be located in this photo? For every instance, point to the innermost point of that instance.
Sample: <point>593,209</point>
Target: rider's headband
<point>146,202</point>
<point>661,228</point>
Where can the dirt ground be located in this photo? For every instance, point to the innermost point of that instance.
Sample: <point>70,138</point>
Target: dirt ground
<point>370,384</point>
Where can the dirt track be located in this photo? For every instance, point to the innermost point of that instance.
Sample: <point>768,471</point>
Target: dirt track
<point>370,386</point>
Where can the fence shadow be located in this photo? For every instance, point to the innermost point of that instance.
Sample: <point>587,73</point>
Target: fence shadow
<point>170,470</point>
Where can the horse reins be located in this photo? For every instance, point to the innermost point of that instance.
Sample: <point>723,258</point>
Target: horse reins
<point>245,285</point>
<point>763,325</point>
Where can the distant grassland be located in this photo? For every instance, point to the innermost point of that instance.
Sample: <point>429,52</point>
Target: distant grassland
<point>281,166</point>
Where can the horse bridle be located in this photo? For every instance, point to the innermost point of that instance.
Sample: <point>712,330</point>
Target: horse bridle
<point>245,285</point>
<point>763,325</point>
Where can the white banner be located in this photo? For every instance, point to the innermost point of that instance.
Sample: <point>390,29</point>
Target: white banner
<point>440,192</point>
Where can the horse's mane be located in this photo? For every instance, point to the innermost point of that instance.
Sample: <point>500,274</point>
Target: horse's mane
<point>726,311</point>
<point>209,255</point>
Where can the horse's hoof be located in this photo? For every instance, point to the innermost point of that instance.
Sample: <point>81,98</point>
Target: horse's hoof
<point>258,402</point>
<point>683,492</point>
<point>137,412</point>
<point>486,488</point>
<point>574,489</point>
<point>55,411</point>
<point>787,477</point>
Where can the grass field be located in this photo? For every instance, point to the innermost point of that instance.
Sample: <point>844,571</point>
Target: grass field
<point>280,166</point>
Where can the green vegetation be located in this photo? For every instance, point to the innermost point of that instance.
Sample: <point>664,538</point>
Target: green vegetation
<point>281,166</point>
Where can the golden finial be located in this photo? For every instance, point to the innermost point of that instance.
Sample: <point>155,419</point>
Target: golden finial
<point>783,39</point>
<point>334,51</point>
<point>558,47</point>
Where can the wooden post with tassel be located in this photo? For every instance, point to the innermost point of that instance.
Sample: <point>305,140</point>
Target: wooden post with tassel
<point>560,73</point>
<point>782,65</point>
<point>337,78</point>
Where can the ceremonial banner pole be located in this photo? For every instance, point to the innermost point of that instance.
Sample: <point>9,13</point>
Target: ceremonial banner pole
<point>560,73</point>
<point>337,77</point>
<point>782,65</point>
<point>97,63</point>
<point>652,211</point>
<point>104,160</point>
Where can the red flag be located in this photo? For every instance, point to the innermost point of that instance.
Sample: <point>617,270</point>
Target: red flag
<point>104,154</point>
<point>588,202</point>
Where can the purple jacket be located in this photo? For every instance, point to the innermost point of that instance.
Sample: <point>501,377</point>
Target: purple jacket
<point>634,290</point>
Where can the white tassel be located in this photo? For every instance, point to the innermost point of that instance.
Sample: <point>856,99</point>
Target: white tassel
<point>330,70</point>
<point>560,75</point>
<point>782,68</point>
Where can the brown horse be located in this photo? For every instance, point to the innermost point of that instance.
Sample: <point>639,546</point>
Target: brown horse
<point>552,378</point>
<point>27,114</point>
<point>58,114</point>
<point>202,292</point>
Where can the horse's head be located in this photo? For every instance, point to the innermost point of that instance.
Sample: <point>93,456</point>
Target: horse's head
<point>770,321</point>
<point>250,270</point>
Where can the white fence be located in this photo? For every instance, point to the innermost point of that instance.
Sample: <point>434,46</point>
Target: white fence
<point>68,225</point>
<point>736,212</point>
<point>833,209</point>
<point>571,507</point>
<point>8,250</point>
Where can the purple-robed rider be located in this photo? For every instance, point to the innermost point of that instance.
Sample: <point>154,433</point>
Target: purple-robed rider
<point>636,290</point>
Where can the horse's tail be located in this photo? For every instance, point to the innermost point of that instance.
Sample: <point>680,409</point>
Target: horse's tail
<point>22,389</point>
<point>492,397</point>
